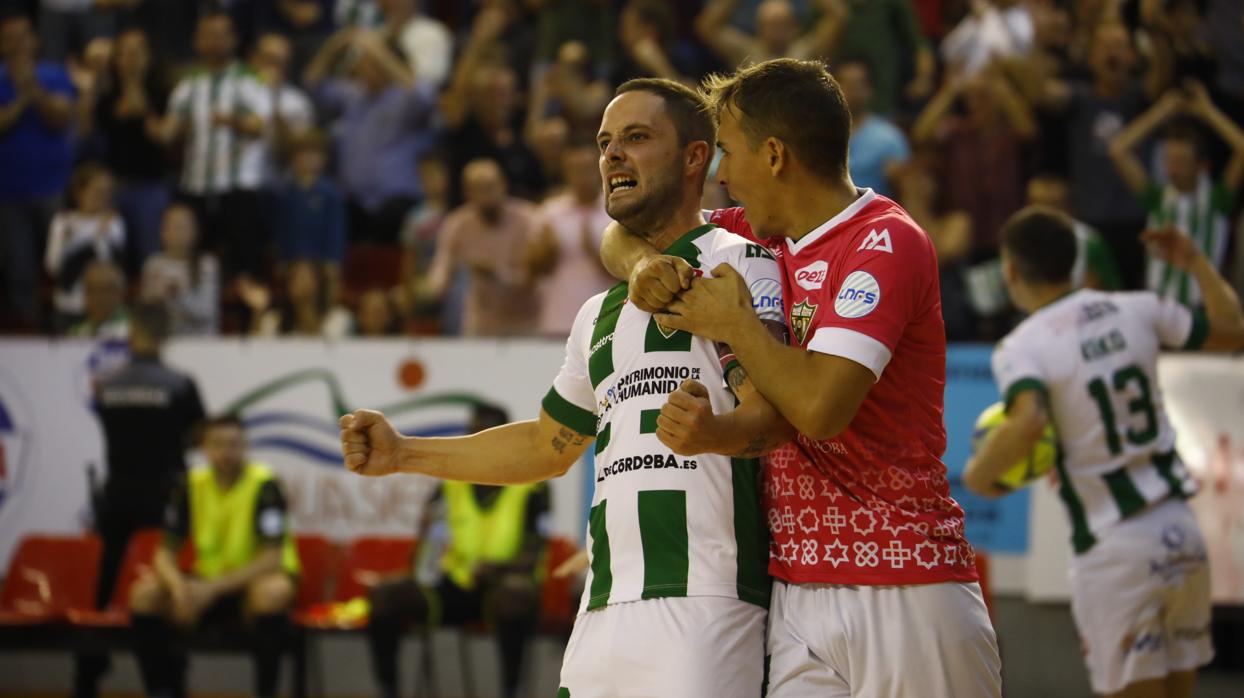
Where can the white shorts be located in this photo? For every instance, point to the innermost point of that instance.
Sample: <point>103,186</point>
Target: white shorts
<point>919,641</point>
<point>692,647</point>
<point>1141,598</point>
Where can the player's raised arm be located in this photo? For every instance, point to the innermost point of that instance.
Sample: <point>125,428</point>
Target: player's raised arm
<point>514,453</point>
<point>1225,318</point>
<point>1008,444</point>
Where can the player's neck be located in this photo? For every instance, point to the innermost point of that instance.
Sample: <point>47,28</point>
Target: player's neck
<point>683,221</point>
<point>813,203</point>
<point>1041,296</point>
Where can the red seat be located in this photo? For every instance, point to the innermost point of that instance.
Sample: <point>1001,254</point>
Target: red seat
<point>138,559</point>
<point>371,557</point>
<point>47,576</point>
<point>371,266</point>
<point>557,607</point>
<point>316,555</point>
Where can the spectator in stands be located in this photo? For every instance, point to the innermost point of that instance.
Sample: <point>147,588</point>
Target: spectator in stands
<point>89,230</point>
<point>127,115</point>
<point>91,75</point>
<point>482,567</point>
<point>1094,267</point>
<point>589,22</point>
<point>488,237</point>
<point>420,235</point>
<point>66,26</point>
<point>950,230</point>
<point>310,220</point>
<point>306,23</point>
<point>233,512</point>
<point>988,138</point>
<point>567,89</point>
<point>565,255</point>
<point>182,277</point>
<point>104,313</point>
<point>425,44</point>
<point>149,414</point>
<point>1095,112</point>
<point>291,109</point>
<point>1192,200</point>
<point>777,31</point>
<point>549,138</point>
<point>36,108</point>
<point>886,33</point>
<point>1224,30</point>
<point>376,316</point>
<point>482,114</point>
<point>646,36</point>
<point>993,30</point>
<point>878,147</point>
<point>222,111</point>
<point>385,121</point>
<point>308,308</point>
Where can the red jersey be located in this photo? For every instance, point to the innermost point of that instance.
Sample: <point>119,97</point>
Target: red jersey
<point>873,505</point>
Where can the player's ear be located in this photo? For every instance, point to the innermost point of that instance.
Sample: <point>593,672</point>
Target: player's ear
<point>776,155</point>
<point>697,155</point>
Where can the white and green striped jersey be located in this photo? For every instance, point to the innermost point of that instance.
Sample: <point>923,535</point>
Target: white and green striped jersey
<point>663,524</point>
<point>1094,354</point>
<point>1202,214</point>
<point>218,160</point>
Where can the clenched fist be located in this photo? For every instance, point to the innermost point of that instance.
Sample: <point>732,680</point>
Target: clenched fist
<point>369,443</point>
<point>687,423</point>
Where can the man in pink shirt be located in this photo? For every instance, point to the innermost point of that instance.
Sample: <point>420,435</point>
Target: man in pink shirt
<point>567,250</point>
<point>487,237</point>
<point>876,591</point>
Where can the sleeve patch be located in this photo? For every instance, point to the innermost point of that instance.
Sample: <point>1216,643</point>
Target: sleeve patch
<point>859,295</point>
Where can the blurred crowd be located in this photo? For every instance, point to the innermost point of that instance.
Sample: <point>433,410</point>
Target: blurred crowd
<point>341,168</point>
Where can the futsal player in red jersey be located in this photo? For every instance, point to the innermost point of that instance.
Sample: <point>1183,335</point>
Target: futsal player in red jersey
<point>876,591</point>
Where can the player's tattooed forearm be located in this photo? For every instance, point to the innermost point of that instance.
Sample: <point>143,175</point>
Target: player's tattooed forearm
<point>736,379</point>
<point>758,446</point>
<point>566,438</point>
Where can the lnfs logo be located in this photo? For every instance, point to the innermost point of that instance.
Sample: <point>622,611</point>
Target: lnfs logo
<point>15,440</point>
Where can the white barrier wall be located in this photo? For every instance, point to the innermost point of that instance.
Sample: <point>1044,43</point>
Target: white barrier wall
<point>291,393</point>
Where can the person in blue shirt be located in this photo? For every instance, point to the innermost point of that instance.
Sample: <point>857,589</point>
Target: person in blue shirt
<point>36,106</point>
<point>878,147</point>
<point>311,211</point>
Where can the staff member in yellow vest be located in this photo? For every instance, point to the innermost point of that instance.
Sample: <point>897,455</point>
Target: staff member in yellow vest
<point>246,566</point>
<point>479,548</point>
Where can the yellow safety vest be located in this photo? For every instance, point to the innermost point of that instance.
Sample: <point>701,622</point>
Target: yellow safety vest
<point>222,523</point>
<point>480,535</point>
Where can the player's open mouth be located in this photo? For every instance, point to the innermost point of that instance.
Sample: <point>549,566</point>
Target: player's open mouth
<point>621,183</point>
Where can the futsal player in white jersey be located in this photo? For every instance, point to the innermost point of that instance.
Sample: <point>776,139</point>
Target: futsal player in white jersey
<point>675,601</point>
<point>1086,361</point>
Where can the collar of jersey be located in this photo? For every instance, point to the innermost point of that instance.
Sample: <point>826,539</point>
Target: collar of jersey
<point>866,197</point>
<point>683,248</point>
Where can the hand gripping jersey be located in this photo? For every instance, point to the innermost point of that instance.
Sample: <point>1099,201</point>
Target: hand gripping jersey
<point>1095,354</point>
<point>873,505</point>
<point>663,525</point>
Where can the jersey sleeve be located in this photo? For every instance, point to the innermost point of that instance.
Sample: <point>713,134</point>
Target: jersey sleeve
<point>1177,326</point>
<point>763,276</point>
<point>888,279</point>
<point>571,400</point>
<point>1016,368</point>
<point>271,514</point>
<point>733,220</point>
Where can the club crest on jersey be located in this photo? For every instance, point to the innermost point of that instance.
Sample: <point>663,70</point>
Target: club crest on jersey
<point>877,241</point>
<point>801,319</point>
<point>665,332</point>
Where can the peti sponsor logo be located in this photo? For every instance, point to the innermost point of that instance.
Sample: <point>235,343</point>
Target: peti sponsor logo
<point>858,296</point>
<point>812,277</point>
